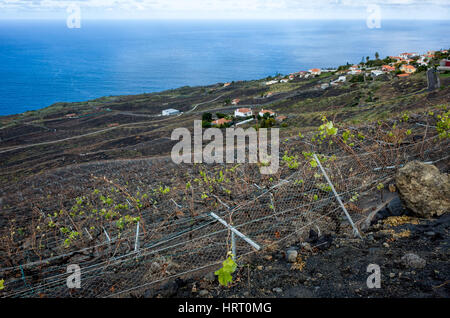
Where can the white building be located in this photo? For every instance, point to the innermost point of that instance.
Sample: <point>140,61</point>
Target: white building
<point>170,112</point>
<point>355,72</point>
<point>341,79</point>
<point>406,56</point>
<point>271,82</point>
<point>243,112</point>
<point>444,65</point>
<point>376,73</point>
<point>422,61</point>
<point>315,71</point>
<point>264,111</point>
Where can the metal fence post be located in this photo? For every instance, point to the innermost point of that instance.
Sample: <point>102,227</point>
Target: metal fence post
<point>136,242</point>
<point>107,236</point>
<point>89,234</point>
<point>233,245</point>
<point>236,232</point>
<point>355,229</point>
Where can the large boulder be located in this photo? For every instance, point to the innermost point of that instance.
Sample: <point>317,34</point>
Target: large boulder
<point>424,189</point>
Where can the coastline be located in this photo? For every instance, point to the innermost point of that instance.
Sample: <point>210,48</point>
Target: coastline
<point>109,58</point>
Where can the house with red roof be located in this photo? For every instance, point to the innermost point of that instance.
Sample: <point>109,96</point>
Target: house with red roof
<point>409,69</point>
<point>243,112</point>
<point>396,59</point>
<point>221,121</point>
<point>430,54</point>
<point>315,71</point>
<point>422,61</point>
<point>388,68</point>
<point>266,111</point>
<point>280,118</point>
<point>235,101</point>
<point>355,72</point>
<point>407,56</point>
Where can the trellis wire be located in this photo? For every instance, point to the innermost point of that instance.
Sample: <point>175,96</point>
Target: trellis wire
<point>179,247</point>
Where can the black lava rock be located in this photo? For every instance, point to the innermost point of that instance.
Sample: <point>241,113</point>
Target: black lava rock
<point>393,208</point>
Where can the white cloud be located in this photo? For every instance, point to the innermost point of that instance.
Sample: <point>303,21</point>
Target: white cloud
<point>227,8</point>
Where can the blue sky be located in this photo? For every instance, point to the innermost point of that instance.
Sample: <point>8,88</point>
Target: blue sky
<point>226,9</point>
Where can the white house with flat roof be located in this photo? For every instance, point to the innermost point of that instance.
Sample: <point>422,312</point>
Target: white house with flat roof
<point>377,73</point>
<point>170,112</point>
<point>444,65</point>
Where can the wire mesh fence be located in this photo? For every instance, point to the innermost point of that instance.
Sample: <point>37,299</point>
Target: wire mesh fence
<point>129,234</point>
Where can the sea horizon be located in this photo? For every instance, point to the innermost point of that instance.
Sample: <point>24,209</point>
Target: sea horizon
<point>44,62</point>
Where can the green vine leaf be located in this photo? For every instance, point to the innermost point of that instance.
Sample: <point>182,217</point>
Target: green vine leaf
<point>2,282</point>
<point>224,273</point>
<point>313,163</point>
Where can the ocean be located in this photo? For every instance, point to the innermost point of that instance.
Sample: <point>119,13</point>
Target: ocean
<point>43,62</point>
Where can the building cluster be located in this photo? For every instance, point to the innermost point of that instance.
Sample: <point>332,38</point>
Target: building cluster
<point>406,63</point>
<point>402,65</point>
<point>244,115</point>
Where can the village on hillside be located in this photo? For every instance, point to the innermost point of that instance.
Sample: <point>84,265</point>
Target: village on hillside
<point>399,66</point>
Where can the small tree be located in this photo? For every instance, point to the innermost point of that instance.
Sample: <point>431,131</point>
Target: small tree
<point>387,60</point>
<point>377,56</point>
<point>357,78</point>
<point>421,68</point>
<point>206,124</point>
<point>207,117</point>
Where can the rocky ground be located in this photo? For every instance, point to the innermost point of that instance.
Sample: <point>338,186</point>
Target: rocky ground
<point>412,253</point>
<point>116,148</point>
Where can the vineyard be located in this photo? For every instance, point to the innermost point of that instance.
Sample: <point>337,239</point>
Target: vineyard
<point>133,224</point>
